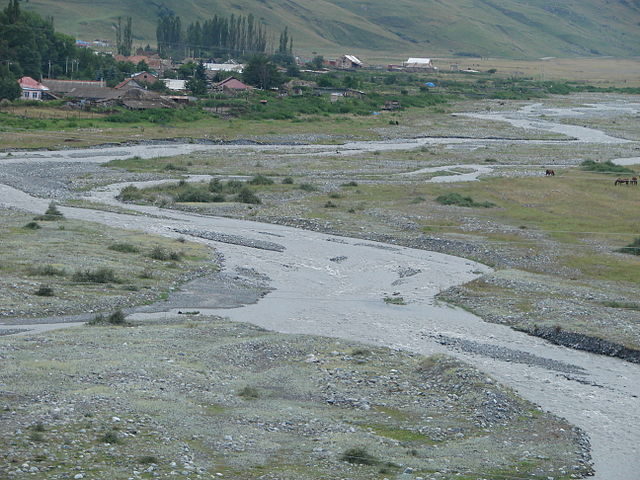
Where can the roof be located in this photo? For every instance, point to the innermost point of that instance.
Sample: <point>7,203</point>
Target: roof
<point>128,83</point>
<point>353,59</point>
<point>425,61</point>
<point>143,99</point>
<point>28,83</point>
<point>93,93</point>
<point>63,86</point>
<point>224,67</point>
<point>233,84</point>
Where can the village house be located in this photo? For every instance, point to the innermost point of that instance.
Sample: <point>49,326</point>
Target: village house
<point>32,89</point>
<point>81,92</point>
<point>137,80</point>
<point>349,62</point>
<point>145,77</point>
<point>231,85</point>
<point>154,61</point>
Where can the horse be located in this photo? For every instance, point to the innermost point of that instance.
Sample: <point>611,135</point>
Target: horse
<point>634,181</point>
<point>549,173</point>
<point>620,181</point>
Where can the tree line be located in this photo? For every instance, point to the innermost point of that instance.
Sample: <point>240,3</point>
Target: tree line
<point>236,35</point>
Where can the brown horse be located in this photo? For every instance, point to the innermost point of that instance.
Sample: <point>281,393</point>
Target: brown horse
<point>549,173</point>
<point>634,181</point>
<point>620,181</point>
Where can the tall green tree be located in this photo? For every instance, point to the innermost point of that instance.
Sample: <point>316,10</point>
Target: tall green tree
<point>124,37</point>
<point>9,87</point>
<point>198,83</point>
<point>261,72</point>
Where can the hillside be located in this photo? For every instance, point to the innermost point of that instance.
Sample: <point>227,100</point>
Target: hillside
<point>505,28</point>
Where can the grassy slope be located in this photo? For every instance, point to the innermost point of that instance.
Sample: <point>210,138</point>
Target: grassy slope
<point>404,27</point>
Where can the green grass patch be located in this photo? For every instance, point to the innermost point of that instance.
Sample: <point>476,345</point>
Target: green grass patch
<point>462,201</point>
<point>606,167</point>
<point>401,434</point>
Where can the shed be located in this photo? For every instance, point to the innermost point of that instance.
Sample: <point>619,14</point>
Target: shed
<point>419,64</point>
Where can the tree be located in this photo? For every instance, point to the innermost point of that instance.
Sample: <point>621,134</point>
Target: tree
<point>262,73</point>
<point>317,62</point>
<point>198,83</point>
<point>9,87</point>
<point>124,37</point>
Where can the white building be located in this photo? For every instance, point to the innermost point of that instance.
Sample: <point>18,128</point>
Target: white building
<point>419,63</point>
<point>230,66</point>
<point>177,85</point>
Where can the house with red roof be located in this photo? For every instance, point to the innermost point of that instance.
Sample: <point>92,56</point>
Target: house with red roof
<point>231,84</point>
<point>32,89</point>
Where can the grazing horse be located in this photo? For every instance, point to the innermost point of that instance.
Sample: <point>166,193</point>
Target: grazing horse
<point>634,181</point>
<point>549,173</point>
<point>620,181</point>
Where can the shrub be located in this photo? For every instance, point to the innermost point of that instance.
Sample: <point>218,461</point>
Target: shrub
<point>172,167</point>
<point>193,194</point>
<point>330,204</point>
<point>350,184</point>
<point>260,180</point>
<point>461,201</point>
<point>395,300</point>
<point>36,437</point>
<point>162,254</point>
<point>146,274</point>
<point>53,210</point>
<point>234,186</point>
<point>215,185</point>
<point>148,459</point>
<point>249,393</point>
<point>44,291</point>
<point>605,167</point>
<point>124,248</point>
<point>633,248</point>
<point>32,226</point>
<point>246,195</point>
<point>52,213</point>
<point>116,318</point>
<point>110,437</point>
<point>359,456</point>
<point>99,275</point>
<point>130,193</point>
<point>48,271</point>
<point>308,187</point>
<point>287,181</point>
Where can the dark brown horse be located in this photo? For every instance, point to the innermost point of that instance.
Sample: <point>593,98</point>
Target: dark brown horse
<point>634,181</point>
<point>549,173</point>
<point>620,181</point>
